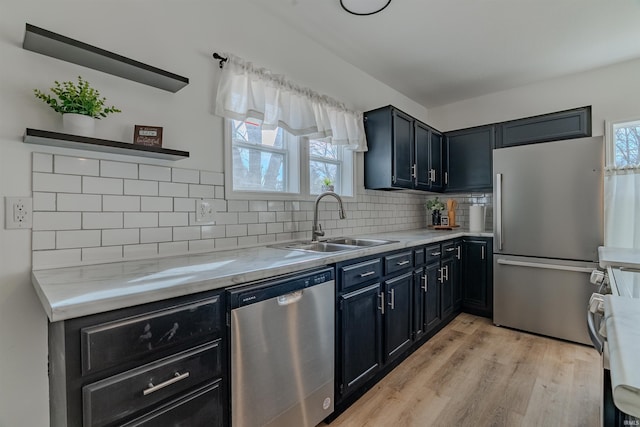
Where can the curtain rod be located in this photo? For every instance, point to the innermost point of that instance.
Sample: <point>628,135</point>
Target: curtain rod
<point>222,59</point>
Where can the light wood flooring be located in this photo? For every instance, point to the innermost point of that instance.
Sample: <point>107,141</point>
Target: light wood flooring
<point>475,374</point>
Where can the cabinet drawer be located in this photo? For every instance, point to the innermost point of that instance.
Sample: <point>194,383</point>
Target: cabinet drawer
<point>355,274</point>
<point>448,249</point>
<point>397,262</point>
<point>134,338</point>
<point>418,257</point>
<point>432,253</point>
<point>128,393</point>
<point>201,408</point>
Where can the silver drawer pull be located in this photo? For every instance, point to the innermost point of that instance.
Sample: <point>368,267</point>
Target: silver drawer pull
<point>451,249</point>
<point>403,262</point>
<point>436,253</point>
<point>153,388</point>
<point>368,273</point>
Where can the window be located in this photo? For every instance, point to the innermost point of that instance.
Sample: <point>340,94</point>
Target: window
<point>625,143</point>
<point>274,161</point>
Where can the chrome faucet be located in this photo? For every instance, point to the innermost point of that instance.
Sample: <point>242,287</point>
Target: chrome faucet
<point>316,230</point>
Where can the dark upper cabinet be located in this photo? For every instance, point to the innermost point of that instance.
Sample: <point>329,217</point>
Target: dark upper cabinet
<point>403,152</point>
<point>398,315</point>
<point>360,355</point>
<point>469,158</point>
<point>477,276</point>
<point>575,123</point>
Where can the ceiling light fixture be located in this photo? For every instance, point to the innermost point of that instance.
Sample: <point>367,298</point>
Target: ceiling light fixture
<point>364,7</point>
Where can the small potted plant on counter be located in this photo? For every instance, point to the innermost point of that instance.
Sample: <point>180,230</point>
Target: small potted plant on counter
<point>435,206</point>
<point>327,184</point>
<point>79,104</point>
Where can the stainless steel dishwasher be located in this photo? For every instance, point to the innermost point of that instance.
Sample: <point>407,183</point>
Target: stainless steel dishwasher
<point>282,350</point>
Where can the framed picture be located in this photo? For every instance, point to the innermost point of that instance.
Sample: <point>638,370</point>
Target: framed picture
<point>148,135</point>
<point>444,221</point>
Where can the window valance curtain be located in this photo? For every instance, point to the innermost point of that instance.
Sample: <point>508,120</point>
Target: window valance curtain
<point>249,92</point>
<point>622,207</point>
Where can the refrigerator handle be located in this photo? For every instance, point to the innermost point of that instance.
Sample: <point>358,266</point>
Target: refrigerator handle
<point>499,210</point>
<point>545,266</point>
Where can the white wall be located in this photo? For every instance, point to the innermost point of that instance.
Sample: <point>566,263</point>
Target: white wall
<point>612,91</point>
<point>177,36</point>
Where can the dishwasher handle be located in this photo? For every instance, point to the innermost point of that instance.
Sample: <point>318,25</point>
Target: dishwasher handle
<point>290,298</point>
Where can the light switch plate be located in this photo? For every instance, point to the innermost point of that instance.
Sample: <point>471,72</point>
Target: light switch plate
<point>18,212</point>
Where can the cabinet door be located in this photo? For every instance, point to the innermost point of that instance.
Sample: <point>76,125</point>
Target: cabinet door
<point>402,150</point>
<point>360,337</point>
<point>398,315</point>
<point>469,159</point>
<point>476,264</point>
<point>419,300</point>
<point>446,281</point>
<point>456,276</point>
<point>422,157</point>
<point>435,161</point>
<point>432,296</point>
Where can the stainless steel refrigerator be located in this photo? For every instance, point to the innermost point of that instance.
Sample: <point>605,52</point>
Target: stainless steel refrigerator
<point>548,224</point>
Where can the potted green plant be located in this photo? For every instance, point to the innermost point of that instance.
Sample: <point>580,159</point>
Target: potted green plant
<point>435,206</point>
<point>327,184</point>
<point>79,104</point>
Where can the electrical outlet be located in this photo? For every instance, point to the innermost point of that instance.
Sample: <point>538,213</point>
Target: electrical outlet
<point>204,211</point>
<point>18,212</point>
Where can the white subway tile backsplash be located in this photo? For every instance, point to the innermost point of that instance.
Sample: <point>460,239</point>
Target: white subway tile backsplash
<point>189,176</point>
<point>248,241</point>
<point>248,217</point>
<point>42,162</point>
<point>156,204</point>
<point>184,205</point>
<point>95,220</point>
<point>118,169</point>
<point>154,235</point>
<point>275,206</point>
<point>266,238</point>
<point>275,227</point>
<point>173,219</point>
<point>105,253</point>
<point>154,173</point>
<point>101,185</point>
<point>77,239</point>
<point>238,206</point>
<point>211,178</point>
<point>140,251</point>
<point>284,216</point>
<point>79,202</point>
<point>226,218</point>
<point>44,201</point>
<point>202,191</point>
<point>186,233</point>
<point>120,203</point>
<point>43,240</point>
<point>201,245</point>
<point>255,229</point>
<point>124,236</point>
<point>257,206</point>
<point>213,231</point>
<point>219,192</point>
<point>227,243</point>
<point>236,230</point>
<point>56,258</point>
<point>173,248</point>
<point>57,221</point>
<point>56,183</point>
<point>266,216</point>
<point>75,166</point>
<point>140,219</point>
<point>140,188</point>
<point>173,189</point>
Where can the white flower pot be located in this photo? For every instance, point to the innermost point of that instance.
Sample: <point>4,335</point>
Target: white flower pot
<point>78,124</point>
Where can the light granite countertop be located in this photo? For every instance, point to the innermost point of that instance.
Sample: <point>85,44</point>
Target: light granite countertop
<point>71,292</point>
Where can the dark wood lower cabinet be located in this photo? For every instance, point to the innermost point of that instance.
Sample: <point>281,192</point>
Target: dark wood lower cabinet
<point>398,315</point>
<point>477,276</point>
<point>360,340</point>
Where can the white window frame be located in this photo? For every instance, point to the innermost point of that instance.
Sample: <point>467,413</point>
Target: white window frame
<point>297,171</point>
<point>610,139</point>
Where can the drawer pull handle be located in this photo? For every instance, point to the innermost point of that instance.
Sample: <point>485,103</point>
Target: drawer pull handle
<point>403,262</point>
<point>153,388</point>
<point>435,253</point>
<point>368,273</point>
<point>451,249</point>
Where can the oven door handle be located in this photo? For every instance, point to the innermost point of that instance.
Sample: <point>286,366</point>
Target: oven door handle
<point>596,339</point>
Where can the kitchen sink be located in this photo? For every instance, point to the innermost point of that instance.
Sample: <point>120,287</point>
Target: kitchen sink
<point>337,244</point>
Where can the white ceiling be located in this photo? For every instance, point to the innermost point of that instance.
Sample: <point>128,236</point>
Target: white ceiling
<point>441,51</point>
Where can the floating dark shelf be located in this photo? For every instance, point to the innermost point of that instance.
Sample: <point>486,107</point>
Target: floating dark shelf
<point>56,139</point>
<point>61,47</point>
